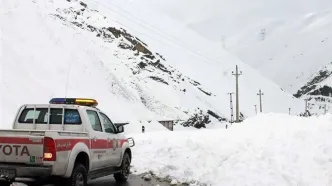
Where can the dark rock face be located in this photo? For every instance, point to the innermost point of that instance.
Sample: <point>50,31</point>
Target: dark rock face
<point>198,120</point>
<point>216,116</point>
<point>142,65</point>
<point>323,91</point>
<point>83,4</point>
<point>312,84</point>
<point>207,93</point>
<point>305,114</point>
<point>158,79</point>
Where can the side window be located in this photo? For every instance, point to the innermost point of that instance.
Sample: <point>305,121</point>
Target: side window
<point>56,116</point>
<point>28,115</point>
<point>72,117</point>
<point>108,125</point>
<point>94,120</point>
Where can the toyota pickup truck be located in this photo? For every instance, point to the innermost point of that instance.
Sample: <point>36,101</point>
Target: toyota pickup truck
<point>66,142</point>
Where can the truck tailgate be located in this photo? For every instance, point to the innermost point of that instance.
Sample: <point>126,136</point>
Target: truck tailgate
<point>19,146</point>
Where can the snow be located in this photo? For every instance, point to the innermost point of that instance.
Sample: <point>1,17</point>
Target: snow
<point>298,33</point>
<point>270,149</point>
<point>48,51</point>
<point>150,126</point>
<point>55,58</point>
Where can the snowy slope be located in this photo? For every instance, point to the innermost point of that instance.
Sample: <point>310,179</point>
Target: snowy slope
<point>271,149</point>
<point>297,33</point>
<point>318,90</point>
<point>135,74</point>
<point>292,49</point>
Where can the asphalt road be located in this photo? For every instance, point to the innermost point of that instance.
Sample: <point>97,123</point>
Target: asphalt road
<point>134,180</point>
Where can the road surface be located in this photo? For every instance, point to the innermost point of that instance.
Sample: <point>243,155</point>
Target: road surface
<point>134,180</point>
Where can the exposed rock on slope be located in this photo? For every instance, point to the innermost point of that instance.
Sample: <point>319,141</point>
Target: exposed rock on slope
<point>318,90</point>
<point>313,88</point>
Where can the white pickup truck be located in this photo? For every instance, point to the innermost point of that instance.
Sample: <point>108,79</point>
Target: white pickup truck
<point>66,142</point>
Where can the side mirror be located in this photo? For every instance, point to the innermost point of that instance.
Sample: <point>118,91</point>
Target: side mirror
<point>120,129</point>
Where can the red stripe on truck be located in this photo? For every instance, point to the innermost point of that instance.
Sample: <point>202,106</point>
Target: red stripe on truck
<point>18,140</point>
<point>63,144</point>
<point>99,144</point>
<point>69,144</point>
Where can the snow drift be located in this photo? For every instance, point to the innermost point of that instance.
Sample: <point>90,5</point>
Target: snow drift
<point>270,149</point>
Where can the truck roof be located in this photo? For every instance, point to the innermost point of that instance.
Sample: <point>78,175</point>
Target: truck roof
<point>69,103</point>
<point>59,105</point>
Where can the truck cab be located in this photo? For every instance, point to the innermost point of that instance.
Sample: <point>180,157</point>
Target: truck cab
<point>69,139</point>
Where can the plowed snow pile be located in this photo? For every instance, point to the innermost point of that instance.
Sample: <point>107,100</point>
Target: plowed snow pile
<point>269,149</point>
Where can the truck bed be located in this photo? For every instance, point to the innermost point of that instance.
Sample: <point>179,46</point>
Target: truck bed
<point>27,146</point>
<point>21,146</point>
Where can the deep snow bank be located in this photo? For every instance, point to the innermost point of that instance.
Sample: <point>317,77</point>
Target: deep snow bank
<point>268,149</point>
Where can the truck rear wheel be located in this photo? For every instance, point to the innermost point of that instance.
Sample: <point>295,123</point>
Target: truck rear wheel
<point>125,169</point>
<point>78,176</point>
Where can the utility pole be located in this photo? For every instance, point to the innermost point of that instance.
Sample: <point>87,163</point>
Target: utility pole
<point>231,106</point>
<point>306,105</point>
<point>255,109</point>
<point>260,94</point>
<point>237,74</point>
<point>289,109</point>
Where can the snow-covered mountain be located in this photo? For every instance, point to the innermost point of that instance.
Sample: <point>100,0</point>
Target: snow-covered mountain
<point>136,71</point>
<point>290,50</point>
<point>287,41</point>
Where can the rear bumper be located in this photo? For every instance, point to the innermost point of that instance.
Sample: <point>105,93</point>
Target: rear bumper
<point>26,172</point>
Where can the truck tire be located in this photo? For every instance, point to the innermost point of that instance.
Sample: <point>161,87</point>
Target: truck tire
<point>79,175</point>
<point>125,169</point>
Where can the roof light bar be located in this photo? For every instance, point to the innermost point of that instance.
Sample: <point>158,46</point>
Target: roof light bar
<point>75,101</point>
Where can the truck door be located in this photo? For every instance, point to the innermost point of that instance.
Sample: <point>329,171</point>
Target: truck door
<point>98,139</point>
<point>114,149</point>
